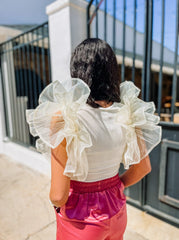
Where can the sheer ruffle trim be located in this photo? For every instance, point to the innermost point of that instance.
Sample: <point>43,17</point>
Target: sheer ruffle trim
<point>55,118</point>
<point>140,123</point>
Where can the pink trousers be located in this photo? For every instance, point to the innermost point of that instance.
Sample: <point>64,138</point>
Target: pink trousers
<point>94,211</point>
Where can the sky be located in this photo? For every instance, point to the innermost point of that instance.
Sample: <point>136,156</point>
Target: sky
<point>23,11</point>
<point>170,18</point>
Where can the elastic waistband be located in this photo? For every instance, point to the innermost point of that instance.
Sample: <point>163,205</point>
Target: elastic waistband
<point>85,187</point>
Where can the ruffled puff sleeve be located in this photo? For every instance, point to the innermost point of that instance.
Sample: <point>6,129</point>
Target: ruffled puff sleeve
<point>55,118</point>
<point>140,124</point>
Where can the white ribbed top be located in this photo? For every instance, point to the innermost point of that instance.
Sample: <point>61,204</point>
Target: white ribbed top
<point>108,141</point>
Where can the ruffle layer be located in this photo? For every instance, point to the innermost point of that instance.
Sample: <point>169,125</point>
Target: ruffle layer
<point>140,123</point>
<point>55,118</point>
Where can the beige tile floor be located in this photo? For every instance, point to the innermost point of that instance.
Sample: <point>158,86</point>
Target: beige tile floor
<point>26,214</point>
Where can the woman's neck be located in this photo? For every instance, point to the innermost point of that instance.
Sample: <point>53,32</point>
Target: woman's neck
<point>103,103</point>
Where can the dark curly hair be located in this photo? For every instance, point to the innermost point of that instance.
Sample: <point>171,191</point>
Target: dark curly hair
<point>94,61</point>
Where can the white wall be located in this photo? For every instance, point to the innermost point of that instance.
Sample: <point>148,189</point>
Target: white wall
<point>67,28</point>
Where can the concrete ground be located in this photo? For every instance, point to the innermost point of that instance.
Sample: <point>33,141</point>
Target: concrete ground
<point>26,214</point>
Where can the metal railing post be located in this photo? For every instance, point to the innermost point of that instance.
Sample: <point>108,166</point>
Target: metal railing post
<point>174,81</point>
<point>124,42</point>
<point>161,60</point>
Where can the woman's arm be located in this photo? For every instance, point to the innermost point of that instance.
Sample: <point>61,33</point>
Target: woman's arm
<point>136,172</point>
<point>60,184</point>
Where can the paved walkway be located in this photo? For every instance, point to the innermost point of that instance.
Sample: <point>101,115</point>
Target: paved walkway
<point>26,214</point>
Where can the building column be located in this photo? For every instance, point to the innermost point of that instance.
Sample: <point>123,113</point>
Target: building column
<point>67,28</point>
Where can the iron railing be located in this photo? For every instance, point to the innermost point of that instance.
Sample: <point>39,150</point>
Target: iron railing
<point>25,71</point>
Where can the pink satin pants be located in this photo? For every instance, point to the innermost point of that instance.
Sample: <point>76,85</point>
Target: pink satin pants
<point>94,211</point>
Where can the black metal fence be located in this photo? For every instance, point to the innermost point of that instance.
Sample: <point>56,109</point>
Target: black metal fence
<point>25,71</point>
<point>155,70</point>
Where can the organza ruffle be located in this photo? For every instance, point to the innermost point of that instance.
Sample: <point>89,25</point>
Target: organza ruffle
<point>138,119</point>
<point>55,118</point>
